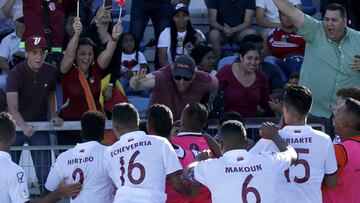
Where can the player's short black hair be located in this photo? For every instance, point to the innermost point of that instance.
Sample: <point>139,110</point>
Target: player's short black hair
<point>353,108</point>
<point>7,128</point>
<point>160,119</point>
<point>349,92</point>
<point>125,115</point>
<point>298,98</point>
<point>195,115</point>
<point>230,115</point>
<point>337,7</point>
<point>92,126</point>
<point>233,131</point>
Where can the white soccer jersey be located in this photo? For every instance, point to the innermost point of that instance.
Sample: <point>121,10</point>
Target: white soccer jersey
<point>84,163</point>
<point>138,165</point>
<point>13,182</point>
<point>242,177</point>
<point>302,182</point>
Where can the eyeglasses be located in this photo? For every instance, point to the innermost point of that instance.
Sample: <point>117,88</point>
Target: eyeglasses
<point>178,77</point>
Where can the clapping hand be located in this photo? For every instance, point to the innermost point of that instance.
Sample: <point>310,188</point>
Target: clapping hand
<point>355,63</point>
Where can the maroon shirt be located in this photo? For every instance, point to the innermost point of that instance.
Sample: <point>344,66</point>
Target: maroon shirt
<point>73,91</point>
<point>241,99</point>
<point>34,19</point>
<point>165,90</point>
<point>33,89</point>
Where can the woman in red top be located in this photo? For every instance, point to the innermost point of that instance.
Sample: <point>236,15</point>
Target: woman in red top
<point>244,85</point>
<point>81,77</point>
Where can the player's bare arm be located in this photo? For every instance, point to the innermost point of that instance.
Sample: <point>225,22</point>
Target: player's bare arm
<point>269,131</point>
<point>213,145</point>
<point>182,186</point>
<point>63,190</point>
<point>296,16</point>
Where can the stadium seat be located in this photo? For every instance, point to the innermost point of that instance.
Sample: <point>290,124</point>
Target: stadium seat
<point>141,104</point>
<point>224,61</point>
<point>308,7</point>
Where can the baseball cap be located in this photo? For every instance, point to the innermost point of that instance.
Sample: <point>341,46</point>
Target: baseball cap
<point>35,42</point>
<point>18,16</point>
<point>184,66</point>
<point>180,7</point>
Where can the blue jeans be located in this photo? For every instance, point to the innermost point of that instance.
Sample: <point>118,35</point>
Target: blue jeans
<point>142,11</point>
<point>284,66</point>
<point>41,158</point>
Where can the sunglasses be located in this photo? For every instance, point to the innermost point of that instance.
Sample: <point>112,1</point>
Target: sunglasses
<point>178,77</point>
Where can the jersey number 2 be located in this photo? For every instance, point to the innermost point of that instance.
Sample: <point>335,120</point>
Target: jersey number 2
<point>301,162</point>
<point>132,165</point>
<point>246,190</point>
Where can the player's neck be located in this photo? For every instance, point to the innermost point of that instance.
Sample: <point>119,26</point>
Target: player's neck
<point>347,134</point>
<point>5,148</point>
<point>296,121</point>
<point>123,132</point>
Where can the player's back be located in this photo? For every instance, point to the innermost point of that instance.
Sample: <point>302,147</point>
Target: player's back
<point>138,164</point>
<point>12,181</point>
<point>191,141</point>
<point>302,182</point>
<point>84,163</point>
<point>239,176</point>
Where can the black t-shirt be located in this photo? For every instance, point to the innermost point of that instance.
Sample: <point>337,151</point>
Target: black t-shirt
<point>231,12</point>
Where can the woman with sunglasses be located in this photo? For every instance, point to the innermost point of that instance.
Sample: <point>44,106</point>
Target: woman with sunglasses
<point>175,85</point>
<point>245,87</point>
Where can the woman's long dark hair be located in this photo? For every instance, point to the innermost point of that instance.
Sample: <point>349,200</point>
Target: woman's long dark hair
<point>189,37</point>
<point>88,41</point>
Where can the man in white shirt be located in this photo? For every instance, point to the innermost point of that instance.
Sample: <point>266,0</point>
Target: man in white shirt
<point>85,163</point>
<point>139,164</point>
<point>13,182</point>
<point>239,175</point>
<point>316,163</point>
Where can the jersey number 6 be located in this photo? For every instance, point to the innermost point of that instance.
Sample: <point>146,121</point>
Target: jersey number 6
<point>246,190</point>
<point>132,165</point>
<point>302,162</point>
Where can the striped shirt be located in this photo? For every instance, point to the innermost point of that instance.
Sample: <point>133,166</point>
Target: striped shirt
<point>326,64</point>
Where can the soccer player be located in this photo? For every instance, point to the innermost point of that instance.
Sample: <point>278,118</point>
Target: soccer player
<point>191,137</point>
<point>347,126</point>
<point>241,176</point>
<point>159,122</point>
<point>84,163</point>
<point>316,163</point>
<point>138,163</point>
<point>13,182</point>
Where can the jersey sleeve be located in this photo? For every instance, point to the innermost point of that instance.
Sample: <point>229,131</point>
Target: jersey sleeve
<point>54,178</point>
<point>4,50</point>
<point>171,161</point>
<point>263,145</point>
<point>309,29</point>
<point>280,160</point>
<point>200,173</point>
<point>330,163</point>
<point>17,186</point>
<point>260,3</point>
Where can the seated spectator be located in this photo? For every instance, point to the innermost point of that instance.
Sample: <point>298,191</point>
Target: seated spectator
<point>204,57</point>
<point>229,22</point>
<point>244,85</point>
<point>267,15</point>
<point>127,61</point>
<point>179,38</point>
<point>81,70</point>
<point>7,10</point>
<point>100,28</point>
<point>175,85</point>
<point>10,52</point>
<point>286,48</point>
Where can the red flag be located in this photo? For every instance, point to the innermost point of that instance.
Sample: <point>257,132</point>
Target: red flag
<point>120,2</point>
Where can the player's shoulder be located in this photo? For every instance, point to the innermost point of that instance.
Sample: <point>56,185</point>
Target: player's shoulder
<point>317,134</point>
<point>11,170</point>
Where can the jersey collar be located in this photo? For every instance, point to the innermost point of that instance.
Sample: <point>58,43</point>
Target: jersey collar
<point>236,154</point>
<point>127,137</point>
<point>296,128</point>
<point>189,133</point>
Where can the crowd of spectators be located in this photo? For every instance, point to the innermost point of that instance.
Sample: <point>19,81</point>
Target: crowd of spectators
<point>47,45</point>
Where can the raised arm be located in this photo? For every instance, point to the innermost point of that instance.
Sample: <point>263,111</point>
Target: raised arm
<point>70,52</point>
<point>142,81</point>
<point>105,57</point>
<point>296,16</point>
<point>6,8</point>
